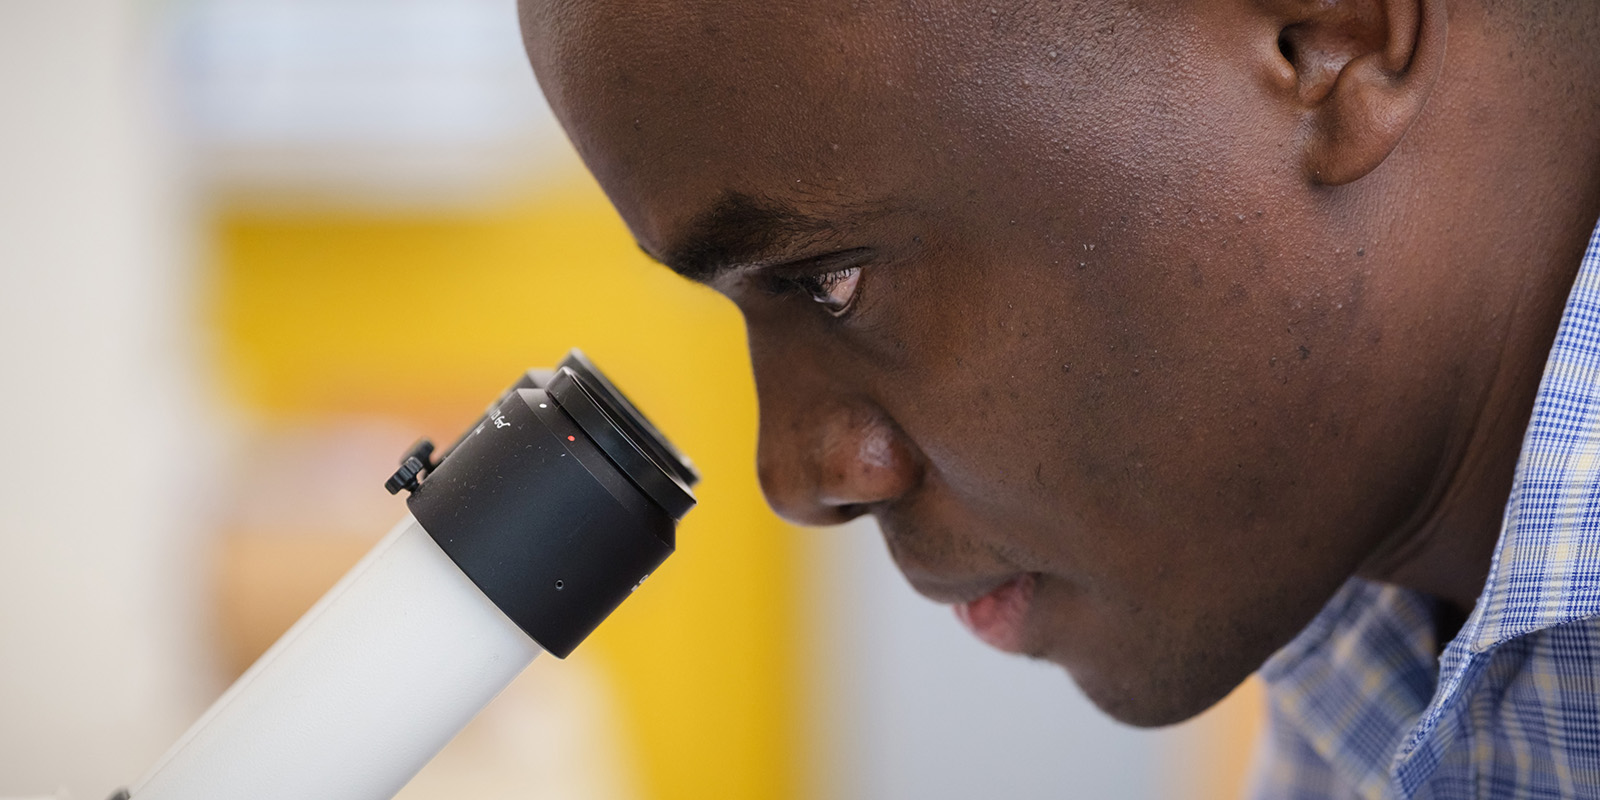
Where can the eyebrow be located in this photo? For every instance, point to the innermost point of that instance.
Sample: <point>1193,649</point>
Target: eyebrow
<point>738,230</point>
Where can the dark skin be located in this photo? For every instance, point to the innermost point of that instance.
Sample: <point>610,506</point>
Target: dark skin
<point>1190,311</point>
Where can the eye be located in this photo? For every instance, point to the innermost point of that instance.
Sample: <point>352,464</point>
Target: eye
<point>833,280</point>
<point>835,289</point>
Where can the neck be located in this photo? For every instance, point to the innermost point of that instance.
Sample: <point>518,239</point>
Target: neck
<point>1535,175</point>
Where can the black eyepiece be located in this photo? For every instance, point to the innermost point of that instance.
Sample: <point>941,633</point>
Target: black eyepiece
<point>557,503</point>
<point>626,414</point>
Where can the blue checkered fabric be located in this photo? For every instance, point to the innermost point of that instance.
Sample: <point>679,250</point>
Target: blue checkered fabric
<point>1360,707</point>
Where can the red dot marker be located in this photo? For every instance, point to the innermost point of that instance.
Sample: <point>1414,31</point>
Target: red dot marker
<point>572,438</point>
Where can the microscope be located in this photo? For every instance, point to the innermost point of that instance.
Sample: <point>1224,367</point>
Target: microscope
<point>521,537</point>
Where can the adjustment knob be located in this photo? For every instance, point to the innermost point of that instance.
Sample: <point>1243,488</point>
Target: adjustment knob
<point>413,465</point>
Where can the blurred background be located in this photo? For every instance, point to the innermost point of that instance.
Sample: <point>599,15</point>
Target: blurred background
<point>249,251</point>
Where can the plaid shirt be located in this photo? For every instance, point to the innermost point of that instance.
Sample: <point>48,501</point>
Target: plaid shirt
<point>1360,706</point>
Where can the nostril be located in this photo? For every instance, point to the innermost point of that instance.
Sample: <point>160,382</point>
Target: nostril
<point>1286,46</point>
<point>850,511</point>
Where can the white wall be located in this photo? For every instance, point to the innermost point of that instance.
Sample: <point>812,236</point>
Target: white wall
<point>99,661</point>
<point>916,708</point>
<point>421,104</point>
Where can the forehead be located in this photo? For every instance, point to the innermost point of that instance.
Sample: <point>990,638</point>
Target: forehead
<point>676,105</point>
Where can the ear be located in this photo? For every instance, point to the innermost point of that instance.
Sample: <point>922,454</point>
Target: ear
<point>1362,70</point>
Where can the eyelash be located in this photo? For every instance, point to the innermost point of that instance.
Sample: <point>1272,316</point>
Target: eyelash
<point>817,278</point>
<point>818,286</point>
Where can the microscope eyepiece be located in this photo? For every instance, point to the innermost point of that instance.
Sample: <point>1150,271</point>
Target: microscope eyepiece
<point>627,445</point>
<point>617,405</point>
<point>558,503</point>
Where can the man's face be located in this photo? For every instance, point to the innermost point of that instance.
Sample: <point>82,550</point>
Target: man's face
<point>1087,336</point>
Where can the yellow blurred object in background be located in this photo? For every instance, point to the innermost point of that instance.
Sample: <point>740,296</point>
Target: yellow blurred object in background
<point>425,317</point>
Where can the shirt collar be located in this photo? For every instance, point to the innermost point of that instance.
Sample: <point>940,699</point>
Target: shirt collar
<point>1546,568</point>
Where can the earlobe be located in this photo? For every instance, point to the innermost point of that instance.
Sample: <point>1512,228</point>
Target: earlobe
<point>1363,72</point>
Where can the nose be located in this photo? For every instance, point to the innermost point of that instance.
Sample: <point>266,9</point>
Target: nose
<point>827,454</point>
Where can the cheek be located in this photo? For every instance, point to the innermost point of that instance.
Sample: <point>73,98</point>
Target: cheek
<point>1147,385</point>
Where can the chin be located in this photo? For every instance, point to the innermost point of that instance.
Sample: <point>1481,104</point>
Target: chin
<point>1152,700</point>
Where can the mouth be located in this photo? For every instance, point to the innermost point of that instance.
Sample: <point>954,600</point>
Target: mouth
<point>998,617</point>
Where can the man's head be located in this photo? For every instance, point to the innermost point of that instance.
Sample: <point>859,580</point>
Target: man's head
<point>1163,307</point>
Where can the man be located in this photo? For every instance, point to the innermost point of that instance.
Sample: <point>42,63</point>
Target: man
<point>1148,330</point>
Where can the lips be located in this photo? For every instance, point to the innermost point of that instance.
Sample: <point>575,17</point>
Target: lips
<point>997,617</point>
